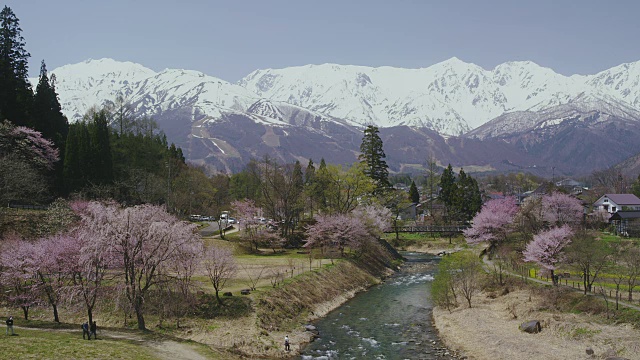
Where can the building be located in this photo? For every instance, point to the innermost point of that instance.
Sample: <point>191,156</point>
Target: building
<point>626,223</point>
<point>613,203</point>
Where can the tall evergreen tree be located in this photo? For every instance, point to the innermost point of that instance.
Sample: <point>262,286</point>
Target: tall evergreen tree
<point>468,199</point>
<point>101,149</point>
<point>47,112</point>
<point>310,185</point>
<point>298,177</point>
<point>309,173</point>
<point>372,155</point>
<point>448,186</point>
<point>47,118</point>
<point>414,195</point>
<point>321,184</point>
<point>16,95</point>
<point>432,179</point>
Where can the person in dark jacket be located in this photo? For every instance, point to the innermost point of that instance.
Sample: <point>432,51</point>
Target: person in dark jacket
<point>94,327</point>
<point>10,325</point>
<point>85,331</point>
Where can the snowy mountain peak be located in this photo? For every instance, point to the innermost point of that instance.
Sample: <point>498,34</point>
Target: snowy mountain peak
<point>450,97</point>
<point>105,67</point>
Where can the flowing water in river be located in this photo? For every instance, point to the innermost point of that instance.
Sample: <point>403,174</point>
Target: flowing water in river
<point>389,321</point>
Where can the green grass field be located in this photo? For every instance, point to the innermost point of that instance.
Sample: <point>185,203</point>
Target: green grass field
<point>63,344</point>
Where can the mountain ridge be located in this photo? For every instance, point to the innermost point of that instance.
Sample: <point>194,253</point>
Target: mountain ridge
<point>329,104</point>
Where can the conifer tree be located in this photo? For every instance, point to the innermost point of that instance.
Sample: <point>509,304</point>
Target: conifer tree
<point>372,155</point>
<point>310,185</point>
<point>101,149</point>
<point>414,195</point>
<point>309,173</point>
<point>15,90</point>
<point>468,199</point>
<point>298,177</point>
<point>447,186</point>
<point>322,184</point>
<point>47,118</point>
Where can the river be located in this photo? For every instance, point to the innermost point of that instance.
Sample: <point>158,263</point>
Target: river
<point>391,320</point>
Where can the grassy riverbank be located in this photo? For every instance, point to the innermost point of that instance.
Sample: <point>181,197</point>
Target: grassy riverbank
<point>290,289</point>
<point>571,323</point>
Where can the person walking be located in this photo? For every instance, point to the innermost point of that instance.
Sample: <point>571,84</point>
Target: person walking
<point>85,331</point>
<point>93,329</point>
<point>287,347</point>
<point>10,325</point>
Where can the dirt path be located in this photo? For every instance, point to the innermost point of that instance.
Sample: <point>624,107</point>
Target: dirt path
<point>171,350</point>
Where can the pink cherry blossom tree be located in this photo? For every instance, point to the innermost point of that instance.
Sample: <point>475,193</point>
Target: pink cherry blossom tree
<point>16,261</point>
<point>220,267</point>
<point>181,288</point>
<point>246,212</point>
<point>493,222</point>
<point>338,231</point>
<point>27,144</point>
<point>547,248</point>
<point>375,217</point>
<point>561,209</point>
<point>52,268</point>
<point>144,242</point>
<point>88,262</point>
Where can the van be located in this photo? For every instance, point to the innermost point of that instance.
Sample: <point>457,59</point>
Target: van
<point>224,215</point>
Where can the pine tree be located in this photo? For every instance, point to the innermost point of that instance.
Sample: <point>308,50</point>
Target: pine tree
<point>47,112</point>
<point>298,177</point>
<point>309,173</point>
<point>414,195</point>
<point>101,149</point>
<point>448,187</point>
<point>467,201</point>
<point>432,179</point>
<point>310,185</point>
<point>321,185</point>
<point>16,95</point>
<point>47,118</point>
<point>372,155</point>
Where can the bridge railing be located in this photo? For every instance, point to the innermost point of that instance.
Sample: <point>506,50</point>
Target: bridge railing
<point>429,229</point>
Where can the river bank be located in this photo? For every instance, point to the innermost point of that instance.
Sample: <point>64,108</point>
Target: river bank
<point>489,330</point>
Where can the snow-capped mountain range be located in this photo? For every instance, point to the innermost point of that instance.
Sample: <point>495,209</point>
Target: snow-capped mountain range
<point>450,98</point>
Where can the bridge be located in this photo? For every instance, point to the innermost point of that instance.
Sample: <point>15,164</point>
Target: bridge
<point>428,229</point>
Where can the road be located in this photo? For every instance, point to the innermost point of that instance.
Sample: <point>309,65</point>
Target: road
<point>209,230</point>
<point>213,228</point>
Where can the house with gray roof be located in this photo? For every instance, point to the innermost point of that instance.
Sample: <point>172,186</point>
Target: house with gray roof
<point>613,203</point>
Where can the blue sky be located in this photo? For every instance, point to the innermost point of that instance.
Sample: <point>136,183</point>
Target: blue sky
<point>229,39</point>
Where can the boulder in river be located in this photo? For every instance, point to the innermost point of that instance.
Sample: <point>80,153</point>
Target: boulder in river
<point>532,327</point>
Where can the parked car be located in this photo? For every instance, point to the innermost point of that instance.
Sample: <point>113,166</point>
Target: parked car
<point>231,220</point>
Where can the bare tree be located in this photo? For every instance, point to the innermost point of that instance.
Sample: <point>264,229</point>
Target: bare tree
<point>253,280</point>
<point>589,255</point>
<point>220,266</point>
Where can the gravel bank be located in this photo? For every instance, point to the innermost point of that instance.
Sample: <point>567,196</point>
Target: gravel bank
<point>489,331</point>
